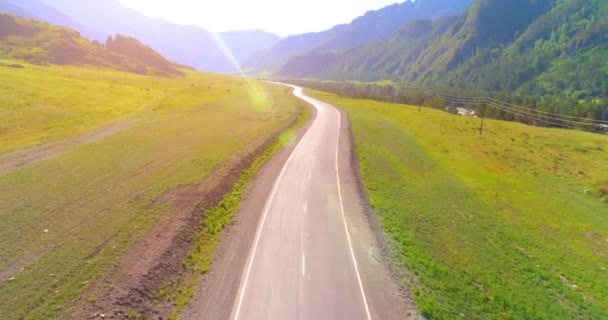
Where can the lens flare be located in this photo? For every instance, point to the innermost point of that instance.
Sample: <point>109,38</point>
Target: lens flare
<point>227,53</point>
<point>259,97</point>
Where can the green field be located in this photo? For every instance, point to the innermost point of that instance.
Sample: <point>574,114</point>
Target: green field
<point>66,219</point>
<point>513,225</point>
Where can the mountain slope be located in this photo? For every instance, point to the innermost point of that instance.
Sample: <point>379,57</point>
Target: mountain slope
<point>35,9</point>
<point>287,48</point>
<point>372,26</point>
<point>42,43</point>
<point>185,44</point>
<point>535,46</point>
<point>375,61</point>
<point>487,24</point>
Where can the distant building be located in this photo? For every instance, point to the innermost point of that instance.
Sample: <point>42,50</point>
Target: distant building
<point>465,112</point>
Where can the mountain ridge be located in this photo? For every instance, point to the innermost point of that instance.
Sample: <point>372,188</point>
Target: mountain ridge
<point>188,45</point>
<point>372,26</point>
<point>42,43</point>
<point>484,49</point>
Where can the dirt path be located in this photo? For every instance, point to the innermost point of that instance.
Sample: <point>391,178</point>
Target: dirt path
<point>19,158</point>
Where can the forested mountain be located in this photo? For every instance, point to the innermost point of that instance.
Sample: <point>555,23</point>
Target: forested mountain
<point>540,47</point>
<point>372,26</point>
<point>189,45</point>
<point>43,43</point>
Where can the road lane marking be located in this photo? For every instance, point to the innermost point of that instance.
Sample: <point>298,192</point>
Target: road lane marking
<point>261,226</point>
<point>316,102</point>
<point>309,176</point>
<point>303,263</point>
<point>305,206</point>
<point>352,252</point>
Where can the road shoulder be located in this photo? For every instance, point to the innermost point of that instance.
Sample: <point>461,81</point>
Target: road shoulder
<point>387,295</point>
<point>214,297</point>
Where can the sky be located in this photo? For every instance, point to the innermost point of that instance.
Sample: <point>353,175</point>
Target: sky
<point>282,17</point>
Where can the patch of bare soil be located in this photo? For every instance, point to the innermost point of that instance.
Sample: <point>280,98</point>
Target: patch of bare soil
<point>157,257</point>
<point>19,158</point>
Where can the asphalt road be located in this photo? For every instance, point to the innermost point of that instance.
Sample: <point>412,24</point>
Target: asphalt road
<point>302,264</point>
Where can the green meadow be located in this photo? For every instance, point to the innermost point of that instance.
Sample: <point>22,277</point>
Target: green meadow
<point>511,225</point>
<point>67,219</point>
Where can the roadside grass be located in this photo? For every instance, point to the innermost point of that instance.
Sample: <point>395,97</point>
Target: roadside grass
<point>67,219</point>
<point>512,225</point>
<point>179,291</point>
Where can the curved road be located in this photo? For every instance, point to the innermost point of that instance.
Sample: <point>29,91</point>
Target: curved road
<point>302,264</point>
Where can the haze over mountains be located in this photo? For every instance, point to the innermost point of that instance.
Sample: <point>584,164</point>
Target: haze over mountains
<point>255,50</point>
<point>539,47</point>
<point>189,45</point>
<point>372,26</point>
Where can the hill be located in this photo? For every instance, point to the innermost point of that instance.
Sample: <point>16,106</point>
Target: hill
<point>42,43</point>
<point>540,47</point>
<point>132,48</point>
<point>35,9</point>
<point>372,26</point>
<point>187,45</point>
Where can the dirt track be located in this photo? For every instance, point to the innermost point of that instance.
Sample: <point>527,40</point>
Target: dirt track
<point>14,160</point>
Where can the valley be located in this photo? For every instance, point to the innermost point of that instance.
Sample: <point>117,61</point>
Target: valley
<point>427,159</point>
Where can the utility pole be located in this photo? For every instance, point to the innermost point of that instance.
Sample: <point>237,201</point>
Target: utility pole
<point>483,110</point>
<point>424,95</point>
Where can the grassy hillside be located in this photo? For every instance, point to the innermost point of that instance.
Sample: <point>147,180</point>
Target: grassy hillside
<point>41,43</point>
<point>37,10</point>
<point>513,225</point>
<point>67,219</point>
<point>132,48</point>
<point>185,44</point>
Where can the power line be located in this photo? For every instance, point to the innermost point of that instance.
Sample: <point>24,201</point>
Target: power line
<point>544,112</point>
<point>536,115</point>
<point>521,113</point>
